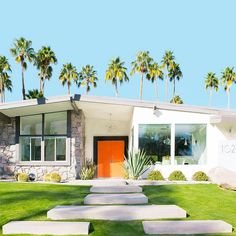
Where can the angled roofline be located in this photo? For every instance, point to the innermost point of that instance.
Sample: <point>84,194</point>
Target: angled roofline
<point>118,101</point>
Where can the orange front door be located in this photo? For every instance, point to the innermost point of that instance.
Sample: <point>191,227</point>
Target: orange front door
<point>110,158</point>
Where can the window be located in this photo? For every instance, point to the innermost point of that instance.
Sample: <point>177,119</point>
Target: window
<point>55,123</point>
<point>155,139</point>
<point>190,144</point>
<point>43,137</point>
<point>30,149</point>
<point>31,125</point>
<point>55,149</point>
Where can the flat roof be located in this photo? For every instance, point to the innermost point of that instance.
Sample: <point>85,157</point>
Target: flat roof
<point>58,103</point>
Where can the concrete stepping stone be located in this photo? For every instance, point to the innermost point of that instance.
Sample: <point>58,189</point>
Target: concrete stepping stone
<point>116,198</point>
<point>46,227</point>
<point>116,189</point>
<point>186,227</point>
<point>118,212</point>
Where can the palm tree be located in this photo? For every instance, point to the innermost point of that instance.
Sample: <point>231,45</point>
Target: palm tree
<point>175,73</point>
<point>154,74</point>
<point>45,57</point>
<point>116,73</point>
<point>177,100</point>
<point>141,65</point>
<point>5,82</point>
<point>167,61</point>
<point>68,74</point>
<point>87,77</point>
<point>211,82</point>
<point>227,79</point>
<point>34,93</point>
<point>22,51</point>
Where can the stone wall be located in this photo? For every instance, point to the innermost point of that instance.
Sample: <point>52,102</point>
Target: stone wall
<point>7,147</point>
<point>8,162</point>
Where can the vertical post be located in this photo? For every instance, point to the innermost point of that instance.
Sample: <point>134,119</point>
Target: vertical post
<point>172,148</point>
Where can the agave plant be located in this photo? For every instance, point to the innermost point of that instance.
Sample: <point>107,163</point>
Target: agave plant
<point>136,163</point>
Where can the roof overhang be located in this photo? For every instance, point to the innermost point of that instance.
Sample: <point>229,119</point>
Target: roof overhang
<point>216,119</point>
<point>36,106</point>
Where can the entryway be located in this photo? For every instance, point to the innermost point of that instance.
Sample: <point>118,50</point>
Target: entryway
<point>109,152</point>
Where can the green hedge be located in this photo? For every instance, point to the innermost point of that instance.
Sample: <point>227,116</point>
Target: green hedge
<point>177,175</point>
<point>155,175</point>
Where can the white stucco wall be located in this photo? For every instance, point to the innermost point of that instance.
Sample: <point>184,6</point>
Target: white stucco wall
<point>147,116</point>
<point>100,127</point>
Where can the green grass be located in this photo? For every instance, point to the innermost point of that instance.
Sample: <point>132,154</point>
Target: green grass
<point>31,202</point>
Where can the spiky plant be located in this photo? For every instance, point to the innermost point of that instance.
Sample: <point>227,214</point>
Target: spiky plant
<point>136,163</point>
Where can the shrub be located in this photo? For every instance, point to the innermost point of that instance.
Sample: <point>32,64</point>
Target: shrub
<point>46,177</point>
<point>22,177</point>
<point>155,175</point>
<point>177,175</point>
<point>55,177</point>
<point>87,171</point>
<point>136,164</point>
<point>200,176</point>
<point>16,176</point>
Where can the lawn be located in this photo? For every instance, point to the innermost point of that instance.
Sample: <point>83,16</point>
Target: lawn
<point>32,201</point>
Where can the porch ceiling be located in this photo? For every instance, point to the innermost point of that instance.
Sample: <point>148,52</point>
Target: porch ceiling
<point>105,111</point>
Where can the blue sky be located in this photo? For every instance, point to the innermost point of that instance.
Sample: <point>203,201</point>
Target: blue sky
<point>201,34</point>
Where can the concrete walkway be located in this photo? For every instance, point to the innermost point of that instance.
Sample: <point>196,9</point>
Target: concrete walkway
<point>118,213</point>
<point>115,198</point>
<point>186,227</point>
<point>46,227</point>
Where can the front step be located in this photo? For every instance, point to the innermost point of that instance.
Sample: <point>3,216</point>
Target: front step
<point>119,213</point>
<point>46,227</point>
<point>108,199</point>
<point>116,189</point>
<point>186,227</point>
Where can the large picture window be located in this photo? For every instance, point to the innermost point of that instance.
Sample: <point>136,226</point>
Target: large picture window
<point>155,139</point>
<point>43,137</point>
<point>190,144</point>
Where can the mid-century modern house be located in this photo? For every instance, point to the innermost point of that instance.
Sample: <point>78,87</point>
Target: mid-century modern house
<point>61,133</point>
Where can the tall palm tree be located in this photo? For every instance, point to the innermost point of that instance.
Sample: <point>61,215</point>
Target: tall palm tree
<point>175,73</point>
<point>211,82</point>
<point>34,93</point>
<point>68,74</point>
<point>87,77</point>
<point>167,61</point>
<point>22,51</point>
<point>177,100</point>
<point>227,79</point>
<point>45,57</point>
<point>155,73</point>
<point>141,65</point>
<point>116,73</point>
<point>5,82</point>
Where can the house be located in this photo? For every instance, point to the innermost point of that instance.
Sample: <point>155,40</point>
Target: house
<point>61,133</point>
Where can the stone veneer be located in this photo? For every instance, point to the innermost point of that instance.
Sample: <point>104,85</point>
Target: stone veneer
<point>8,161</point>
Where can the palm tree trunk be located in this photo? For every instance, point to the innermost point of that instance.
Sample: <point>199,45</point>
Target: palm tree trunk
<point>41,82</point>
<point>23,79</point>
<point>174,88</point>
<point>166,87</point>
<point>68,86</point>
<point>156,89</point>
<point>116,87</point>
<point>1,86</point>
<point>210,97</point>
<point>141,88</point>
<point>228,91</point>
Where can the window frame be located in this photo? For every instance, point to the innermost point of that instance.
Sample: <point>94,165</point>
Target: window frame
<point>172,145</point>
<point>67,137</point>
